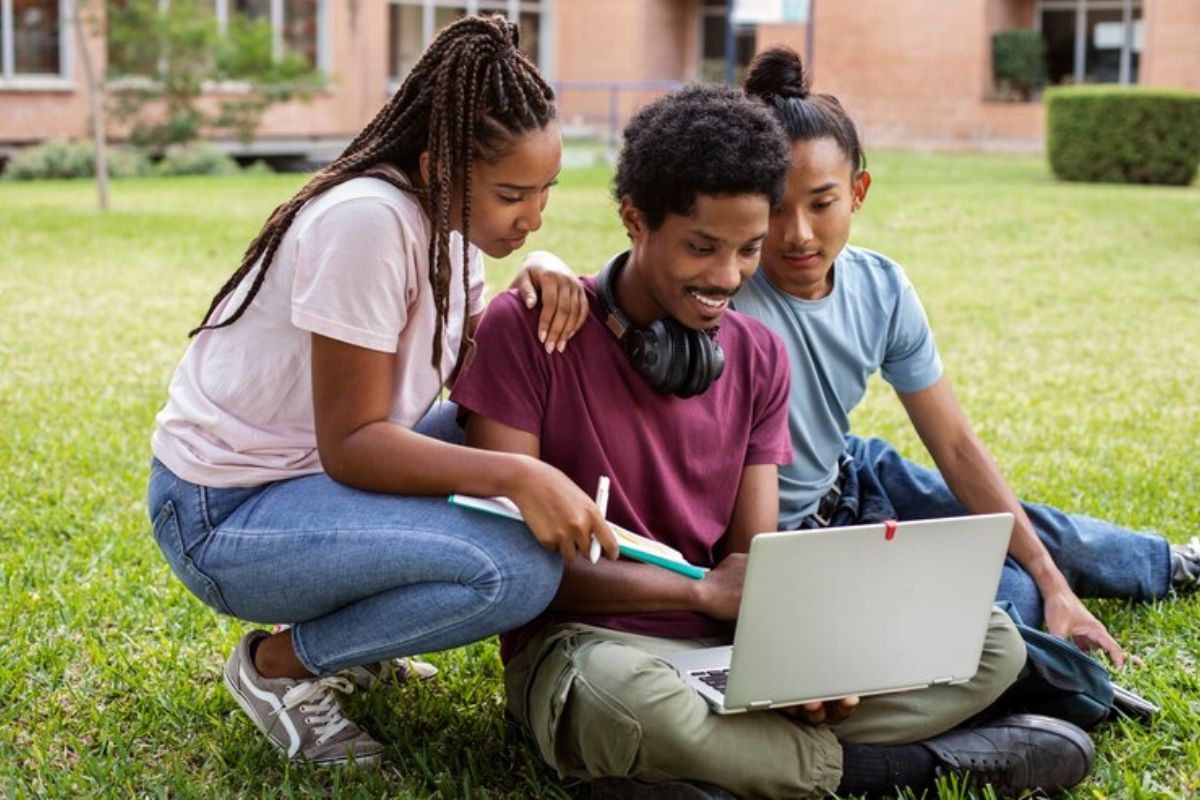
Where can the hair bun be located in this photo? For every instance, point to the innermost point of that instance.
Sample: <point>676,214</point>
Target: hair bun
<point>777,72</point>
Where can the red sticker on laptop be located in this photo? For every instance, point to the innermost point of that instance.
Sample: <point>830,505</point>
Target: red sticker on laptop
<point>889,529</point>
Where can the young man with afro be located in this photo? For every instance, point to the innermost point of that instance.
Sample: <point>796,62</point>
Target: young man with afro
<point>683,403</point>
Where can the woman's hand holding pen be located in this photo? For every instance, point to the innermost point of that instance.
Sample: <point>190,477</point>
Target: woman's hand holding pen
<point>561,516</point>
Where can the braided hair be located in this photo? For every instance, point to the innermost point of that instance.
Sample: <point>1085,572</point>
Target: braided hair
<point>469,96</point>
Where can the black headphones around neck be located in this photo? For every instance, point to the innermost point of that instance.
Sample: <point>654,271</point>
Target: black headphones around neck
<point>673,358</point>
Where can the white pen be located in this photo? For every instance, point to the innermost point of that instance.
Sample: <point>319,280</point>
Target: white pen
<point>602,504</point>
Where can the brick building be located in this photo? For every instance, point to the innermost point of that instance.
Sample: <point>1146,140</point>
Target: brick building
<point>914,73</point>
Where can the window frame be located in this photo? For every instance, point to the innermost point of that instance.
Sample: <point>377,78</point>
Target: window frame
<point>1081,9</point>
<point>721,9</point>
<point>222,11</point>
<point>221,14</point>
<point>37,81</point>
<point>512,10</point>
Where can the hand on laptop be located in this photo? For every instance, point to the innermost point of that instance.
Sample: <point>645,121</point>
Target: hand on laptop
<point>720,593</point>
<point>829,712</point>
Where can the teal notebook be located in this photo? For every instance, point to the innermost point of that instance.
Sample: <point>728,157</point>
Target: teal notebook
<point>631,545</point>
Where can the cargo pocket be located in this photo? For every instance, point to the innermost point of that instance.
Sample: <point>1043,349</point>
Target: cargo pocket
<point>170,541</point>
<point>581,729</point>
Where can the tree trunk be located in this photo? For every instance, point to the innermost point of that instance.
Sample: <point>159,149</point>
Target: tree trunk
<point>95,87</point>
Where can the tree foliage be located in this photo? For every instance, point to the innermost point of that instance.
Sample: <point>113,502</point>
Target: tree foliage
<point>1019,61</point>
<point>174,75</point>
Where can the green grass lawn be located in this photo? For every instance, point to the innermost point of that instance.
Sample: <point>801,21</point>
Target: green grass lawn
<point>1068,317</point>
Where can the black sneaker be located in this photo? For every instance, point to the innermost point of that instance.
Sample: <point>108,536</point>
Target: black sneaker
<point>1017,754</point>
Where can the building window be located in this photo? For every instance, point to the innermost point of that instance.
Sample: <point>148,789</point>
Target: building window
<point>1092,41</point>
<point>714,22</point>
<point>404,39</point>
<point>412,25</point>
<point>298,25</point>
<point>33,38</point>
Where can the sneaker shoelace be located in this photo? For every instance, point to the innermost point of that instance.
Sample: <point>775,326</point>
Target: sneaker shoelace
<point>979,770</point>
<point>325,715</point>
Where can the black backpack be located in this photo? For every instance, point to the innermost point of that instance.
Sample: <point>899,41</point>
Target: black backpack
<point>1060,680</point>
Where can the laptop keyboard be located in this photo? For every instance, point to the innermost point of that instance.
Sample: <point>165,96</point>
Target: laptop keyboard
<point>716,678</point>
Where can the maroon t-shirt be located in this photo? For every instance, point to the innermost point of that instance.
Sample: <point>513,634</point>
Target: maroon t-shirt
<point>675,463</point>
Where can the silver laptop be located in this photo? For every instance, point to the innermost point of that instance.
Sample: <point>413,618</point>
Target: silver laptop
<point>856,611</point>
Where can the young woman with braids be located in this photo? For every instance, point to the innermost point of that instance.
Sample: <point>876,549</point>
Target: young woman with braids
<point>297,475</point>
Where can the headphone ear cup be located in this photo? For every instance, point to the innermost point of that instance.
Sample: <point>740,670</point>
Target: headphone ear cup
<point>705,362</point>
<point>683,363</point>
<point>701,363</point>
<point>651,353</point>
<point>718,360</point>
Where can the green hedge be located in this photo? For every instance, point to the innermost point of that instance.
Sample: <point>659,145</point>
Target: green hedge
<point>59,158</point>
<point>196,158</point>
<point>1123,134</point>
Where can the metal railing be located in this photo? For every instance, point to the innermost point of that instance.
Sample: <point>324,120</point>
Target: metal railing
<point>581,117</point>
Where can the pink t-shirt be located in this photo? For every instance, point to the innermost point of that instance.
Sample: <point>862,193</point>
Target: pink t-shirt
<point>675,464</point>
<point>354,267</point>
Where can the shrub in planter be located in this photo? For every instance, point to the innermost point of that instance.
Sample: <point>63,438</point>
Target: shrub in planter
<point>1019,61</point>
<point>1123,134</point>
<point>59,158</point>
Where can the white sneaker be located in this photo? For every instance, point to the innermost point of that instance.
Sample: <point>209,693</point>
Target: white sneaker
<point>395,671</point>
<point>301,718</point>
<point>1185,565</point>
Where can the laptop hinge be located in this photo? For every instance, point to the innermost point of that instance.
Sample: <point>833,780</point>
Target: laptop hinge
<point>757,705</point>
<point>942,681</point>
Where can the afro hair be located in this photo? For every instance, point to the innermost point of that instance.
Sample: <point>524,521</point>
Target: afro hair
<point>700,140</point>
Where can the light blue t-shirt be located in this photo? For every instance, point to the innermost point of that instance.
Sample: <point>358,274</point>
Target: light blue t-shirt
<point>871,320</point>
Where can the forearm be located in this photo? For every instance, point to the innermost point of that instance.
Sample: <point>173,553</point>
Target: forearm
<point>973,477</point>
<point>624,587</point>
<point>386,457</point>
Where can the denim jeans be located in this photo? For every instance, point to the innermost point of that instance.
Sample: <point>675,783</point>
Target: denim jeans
<point>1097,558</point>
<point>361,576</point>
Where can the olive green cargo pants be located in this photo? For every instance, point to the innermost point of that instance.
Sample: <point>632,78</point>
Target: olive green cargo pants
<point>602,703</point>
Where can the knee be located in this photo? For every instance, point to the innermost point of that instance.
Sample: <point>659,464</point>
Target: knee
<point>530,583</point>
<point>1003,655</point>
<point>631,697</point>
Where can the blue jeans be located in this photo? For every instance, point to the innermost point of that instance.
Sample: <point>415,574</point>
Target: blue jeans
<point>361,576</point>
<point>1097,558</point>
